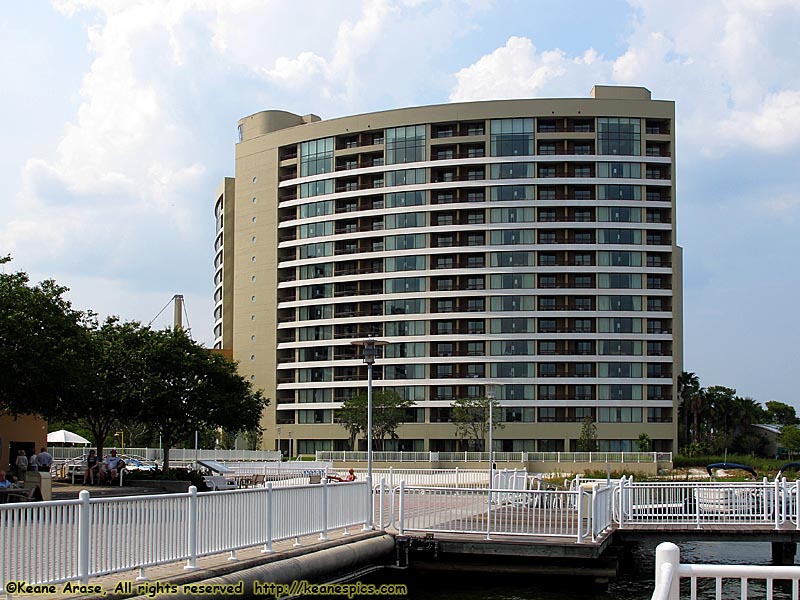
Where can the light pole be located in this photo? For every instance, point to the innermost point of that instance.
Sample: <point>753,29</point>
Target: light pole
<point>370,353</point>
<point>490,396</point>
<point>121,435</point>
<point>278,431</point>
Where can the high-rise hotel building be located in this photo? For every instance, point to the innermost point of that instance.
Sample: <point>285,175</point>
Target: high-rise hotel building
<point>527,245</point>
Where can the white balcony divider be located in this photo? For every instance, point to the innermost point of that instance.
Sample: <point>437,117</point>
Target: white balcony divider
<point>669,571</point>
<point>67,540</point>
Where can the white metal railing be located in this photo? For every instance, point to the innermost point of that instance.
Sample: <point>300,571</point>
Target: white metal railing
<point>583,514</point>
<point>757,502</point>
<point>428,477</point>
<point>669,571</point>
<point>61,453</point>
<point>522,457</point>
<point>67,540</point>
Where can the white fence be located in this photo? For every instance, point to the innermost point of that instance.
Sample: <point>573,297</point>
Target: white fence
<point>669,572</point>
<point>428,477</point>
<point>583,514</point>
<point>523,457</point>
<point>53,542</point>
<point>175,454</point>
<point>757,502</point>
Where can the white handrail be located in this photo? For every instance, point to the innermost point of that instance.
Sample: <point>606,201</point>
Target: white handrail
<point>69,540</point>
<point>669,571</point>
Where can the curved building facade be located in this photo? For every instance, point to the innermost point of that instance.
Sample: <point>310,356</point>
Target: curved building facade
<point>527,245</point>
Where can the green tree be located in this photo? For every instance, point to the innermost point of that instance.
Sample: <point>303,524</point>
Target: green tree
<point>388,413</point>
<point>722,416</point>
<point>690,407</point>
<point>778,413</point>
<point>113,380</point>
<point>190,388</point>
<point>41,340</point>
<point>471,418</point>
<point>789,438</point>
<point>588,440</point>
<point>644,443</point>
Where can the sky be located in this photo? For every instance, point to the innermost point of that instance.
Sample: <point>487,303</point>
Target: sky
<point>119,121</point>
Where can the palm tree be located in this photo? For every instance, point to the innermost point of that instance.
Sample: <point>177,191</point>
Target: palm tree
<point>688,390</point>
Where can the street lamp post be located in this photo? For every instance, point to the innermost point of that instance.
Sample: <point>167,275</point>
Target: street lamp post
<point>121,435</point>
<point>370,346</point>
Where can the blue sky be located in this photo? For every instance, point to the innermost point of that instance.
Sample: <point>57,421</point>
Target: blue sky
<point>120,120</point>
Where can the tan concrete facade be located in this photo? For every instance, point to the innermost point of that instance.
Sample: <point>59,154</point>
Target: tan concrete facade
<point>263,259</point>
<point>26,432</point>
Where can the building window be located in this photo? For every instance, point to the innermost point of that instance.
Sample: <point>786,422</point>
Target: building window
<point>405,144</point>
<point>316,156</point>
<point>511,137</point>
<point>511,170</point>
<point>619,135</point>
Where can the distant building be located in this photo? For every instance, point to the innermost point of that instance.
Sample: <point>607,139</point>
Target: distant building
<point>524,243</point>
<point>26,432</point>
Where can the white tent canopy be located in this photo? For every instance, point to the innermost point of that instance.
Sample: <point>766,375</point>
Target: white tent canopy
<point>62,436</point>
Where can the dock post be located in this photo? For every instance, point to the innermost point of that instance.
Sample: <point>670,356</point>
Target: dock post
<point>668,558</point>
<point>191,563</point>
<point>783,553</point>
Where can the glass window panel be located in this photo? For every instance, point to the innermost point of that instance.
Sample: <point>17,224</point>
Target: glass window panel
<point>405,144</point>
<point>619,303</point>
<point>511,193</point>
<point>405,263</point>
<point>619,259</point>
<point>620,214</point>
<point>405,306</point>
<point>512,370</point>
<point>403,220</point>
<point>404,328</point>
<point>316,156</point>
<point>619,392</point>
<point>520,325</point>
<point>619,192</point>
<point>621,170</point>
<point>316,188</point>
<point>511,170</point>
<point>511,281</point>
<point>405,285</point>
<point>511,259</point>
<point>511,137</point>
<point>619,236</point>
<point>619,135</point>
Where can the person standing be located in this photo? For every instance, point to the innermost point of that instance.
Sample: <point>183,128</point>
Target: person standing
<point>21,464</point>
<point>33,462</point>
<point>45,460</point>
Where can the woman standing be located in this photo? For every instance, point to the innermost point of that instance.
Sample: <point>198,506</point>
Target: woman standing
<point>21,464</point>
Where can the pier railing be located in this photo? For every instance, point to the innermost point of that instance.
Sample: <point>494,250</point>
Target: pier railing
<point>519,457</point>
<point>583,513</point>
<point>694,502</point>
<point>73,540</point>
<point>669,572</point>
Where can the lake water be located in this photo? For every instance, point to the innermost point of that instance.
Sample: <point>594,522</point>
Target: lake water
<point>635,583</point>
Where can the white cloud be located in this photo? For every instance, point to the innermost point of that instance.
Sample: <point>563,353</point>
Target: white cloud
<point>517,70</point>
<point>774,125</point>
<point>731,66</point>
